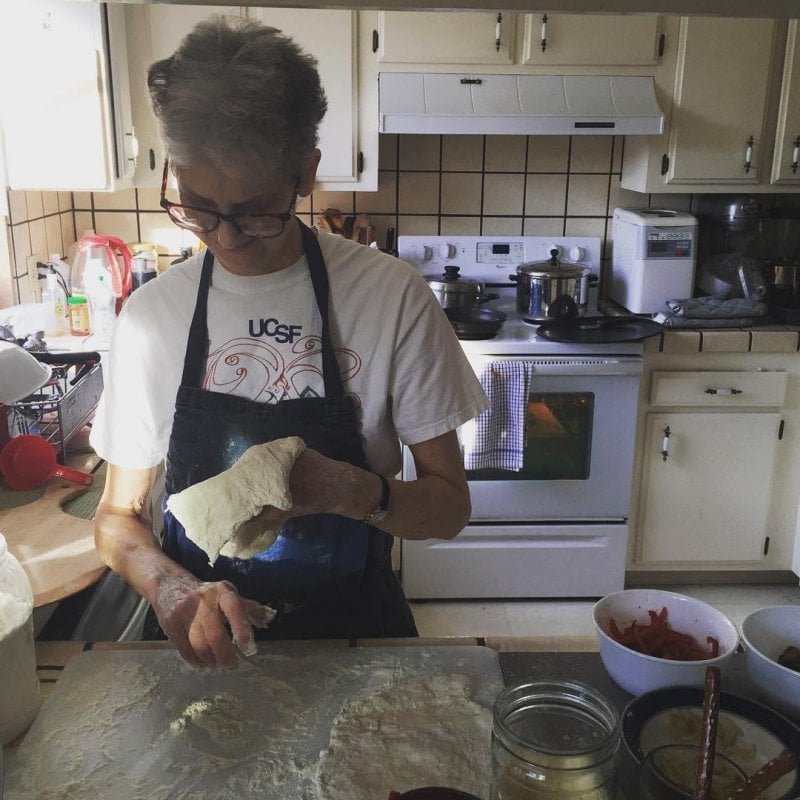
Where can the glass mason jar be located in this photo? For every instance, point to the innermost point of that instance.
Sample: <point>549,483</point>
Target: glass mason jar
<point>554,739</point>
<point>19,686</point>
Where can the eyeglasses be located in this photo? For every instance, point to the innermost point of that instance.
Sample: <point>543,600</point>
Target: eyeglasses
<point>204,220</point>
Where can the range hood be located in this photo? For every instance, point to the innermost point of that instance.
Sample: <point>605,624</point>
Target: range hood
<point>417,102</point>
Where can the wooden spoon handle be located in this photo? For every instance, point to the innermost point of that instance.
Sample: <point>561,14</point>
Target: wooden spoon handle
<point>776,768</point>
<point>708,743</point>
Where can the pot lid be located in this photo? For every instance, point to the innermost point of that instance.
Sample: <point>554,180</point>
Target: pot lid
<point>451,281</point>
<point>553,269</point>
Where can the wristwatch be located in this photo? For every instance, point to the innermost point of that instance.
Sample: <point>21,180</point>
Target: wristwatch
<point>382,511</point>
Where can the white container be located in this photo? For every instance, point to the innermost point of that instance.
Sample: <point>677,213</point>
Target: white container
<point>20,698</point>
<point>20,373</point>
<point>638,673</point>
<point>653,258</point>
<point>766,633</point>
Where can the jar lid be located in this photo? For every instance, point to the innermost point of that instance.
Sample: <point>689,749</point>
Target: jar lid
<point>76,300</point>
<point>550,721</point>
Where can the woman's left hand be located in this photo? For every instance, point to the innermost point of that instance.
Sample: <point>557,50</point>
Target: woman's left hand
<point>319,485</point>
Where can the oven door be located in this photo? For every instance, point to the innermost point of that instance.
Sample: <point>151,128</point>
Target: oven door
<point>578,447</point>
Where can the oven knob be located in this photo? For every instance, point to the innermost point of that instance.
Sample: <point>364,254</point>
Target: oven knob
<point>447,250</point>
<point>577,253</point>
<point>557,247</point>
<point>422,252</point>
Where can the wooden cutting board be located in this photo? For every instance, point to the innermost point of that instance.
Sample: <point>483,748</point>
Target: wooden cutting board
<point>143,725</point>
<point>56,550</point>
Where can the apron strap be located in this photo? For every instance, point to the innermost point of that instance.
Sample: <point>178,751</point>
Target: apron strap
<point>197,345</point>
<point>319,281</point>
<point>194,362</point>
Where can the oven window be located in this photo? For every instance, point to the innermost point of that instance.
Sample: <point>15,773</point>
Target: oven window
<point>558,440</point>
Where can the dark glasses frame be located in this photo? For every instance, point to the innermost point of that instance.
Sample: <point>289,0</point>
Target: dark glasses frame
<point>234,220</point>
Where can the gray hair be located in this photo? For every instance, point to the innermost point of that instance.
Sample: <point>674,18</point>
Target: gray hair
<point>241,96</point>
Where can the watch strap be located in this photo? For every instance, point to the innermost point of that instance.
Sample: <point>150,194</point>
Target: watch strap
<point>379,514</point>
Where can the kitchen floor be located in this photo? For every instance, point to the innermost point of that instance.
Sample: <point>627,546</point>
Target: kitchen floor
<point>567,624</point>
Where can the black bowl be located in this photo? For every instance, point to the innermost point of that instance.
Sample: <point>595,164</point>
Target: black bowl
<point>758,723</point>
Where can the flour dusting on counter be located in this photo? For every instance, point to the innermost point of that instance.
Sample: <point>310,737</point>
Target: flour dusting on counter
<point>143,725</point>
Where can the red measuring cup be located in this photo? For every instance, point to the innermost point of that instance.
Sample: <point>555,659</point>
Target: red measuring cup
<point>28,461</point>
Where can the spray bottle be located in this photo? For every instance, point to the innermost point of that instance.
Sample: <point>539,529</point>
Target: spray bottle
<point>54,299</point>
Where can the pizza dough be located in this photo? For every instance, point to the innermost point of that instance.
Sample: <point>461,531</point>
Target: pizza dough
<point>217,513</point>
<point>414,732</point>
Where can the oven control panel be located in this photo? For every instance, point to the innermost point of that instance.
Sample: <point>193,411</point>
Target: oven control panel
<point>493,258</point>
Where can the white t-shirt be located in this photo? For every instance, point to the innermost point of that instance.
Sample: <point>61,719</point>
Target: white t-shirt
<point>397,354</point>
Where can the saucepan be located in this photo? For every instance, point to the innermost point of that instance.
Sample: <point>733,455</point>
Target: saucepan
<point>28,461</point>
<point>453,291</point>
<point>551,289</point>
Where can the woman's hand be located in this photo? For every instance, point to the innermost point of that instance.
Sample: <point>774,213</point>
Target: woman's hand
<point>196,616</point>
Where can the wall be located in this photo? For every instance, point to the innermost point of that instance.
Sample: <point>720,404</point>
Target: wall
<point>40,223</point>
<point>469,185</point>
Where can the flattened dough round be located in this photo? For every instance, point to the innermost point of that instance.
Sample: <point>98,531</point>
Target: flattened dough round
<point>411,733</point>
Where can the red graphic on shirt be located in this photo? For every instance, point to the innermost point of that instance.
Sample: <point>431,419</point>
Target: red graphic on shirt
<point>260,371</point>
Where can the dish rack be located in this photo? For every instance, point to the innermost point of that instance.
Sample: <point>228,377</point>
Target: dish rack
<point>61,408</point>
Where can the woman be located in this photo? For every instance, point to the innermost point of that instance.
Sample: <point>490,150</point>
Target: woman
<point>274,331</point>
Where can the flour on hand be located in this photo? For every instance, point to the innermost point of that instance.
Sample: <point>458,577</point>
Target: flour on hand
<point>217,513</point>
<point>412,733</point>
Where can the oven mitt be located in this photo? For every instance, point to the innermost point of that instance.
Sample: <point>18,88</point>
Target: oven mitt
<point>217,513</point>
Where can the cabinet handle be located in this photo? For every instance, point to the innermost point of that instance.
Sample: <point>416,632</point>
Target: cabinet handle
<point>134,156</point>
<point>723,390</point>
<point>543,36</point>
<point>498,27</point>
<point>795,155</point>
<point>665,443</point>
<point>748,155</point>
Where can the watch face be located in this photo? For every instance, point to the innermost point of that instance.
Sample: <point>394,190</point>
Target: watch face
<point>376,516</point>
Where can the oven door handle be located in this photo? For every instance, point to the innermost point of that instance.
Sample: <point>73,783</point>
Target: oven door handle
<point>572,366</point>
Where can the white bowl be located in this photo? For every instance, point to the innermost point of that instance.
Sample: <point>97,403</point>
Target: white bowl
<point>638,673</point>
<point>20,373</point>
<point>766,634</point>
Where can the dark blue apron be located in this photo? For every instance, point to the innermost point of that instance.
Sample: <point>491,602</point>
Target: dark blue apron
<point>327,576</point>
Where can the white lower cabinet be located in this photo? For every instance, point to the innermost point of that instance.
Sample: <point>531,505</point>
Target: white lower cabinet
<point>707,498</point>
<point>710,462</point>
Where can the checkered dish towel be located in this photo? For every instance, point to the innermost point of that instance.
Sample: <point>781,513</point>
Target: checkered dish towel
<point>497,437</point>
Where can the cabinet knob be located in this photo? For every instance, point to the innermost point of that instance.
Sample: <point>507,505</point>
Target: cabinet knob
<point>795,155</point>
<point>748,155</point>
<point>723,390</point>
<point>665,443</point>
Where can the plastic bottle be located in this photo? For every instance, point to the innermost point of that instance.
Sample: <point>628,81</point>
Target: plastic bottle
<point>20,698</point>
<point>101,304</point>
<point>54,297</point>
<point>78,315</point>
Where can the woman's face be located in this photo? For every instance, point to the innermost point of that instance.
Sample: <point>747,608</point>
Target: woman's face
<point>203,186</point>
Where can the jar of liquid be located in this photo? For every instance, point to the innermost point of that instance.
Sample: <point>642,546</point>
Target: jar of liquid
<point>144,263</point>
<point>19,686</point>
<point>78,315</point>
<point>554,741</point>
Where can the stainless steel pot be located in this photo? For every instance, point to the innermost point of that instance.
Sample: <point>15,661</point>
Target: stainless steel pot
<point>551,289</point>
<point>453,291</point>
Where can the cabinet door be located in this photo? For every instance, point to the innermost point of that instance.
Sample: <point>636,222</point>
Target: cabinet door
<point>590,40</point>
<point>330,35</point>
<point>154,32</point>
<point>707,502</point>
<point>786,159</point>
<point>60,118</point>
<point>445,37</point>
<point>720,103</point>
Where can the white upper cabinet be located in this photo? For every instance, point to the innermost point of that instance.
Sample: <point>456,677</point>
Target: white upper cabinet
<point>786,156</point>
<point>348,136</point>
<point>445,37</point>
<point>66,114</point>
<point>721,133</point>
<point>590,40</point>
